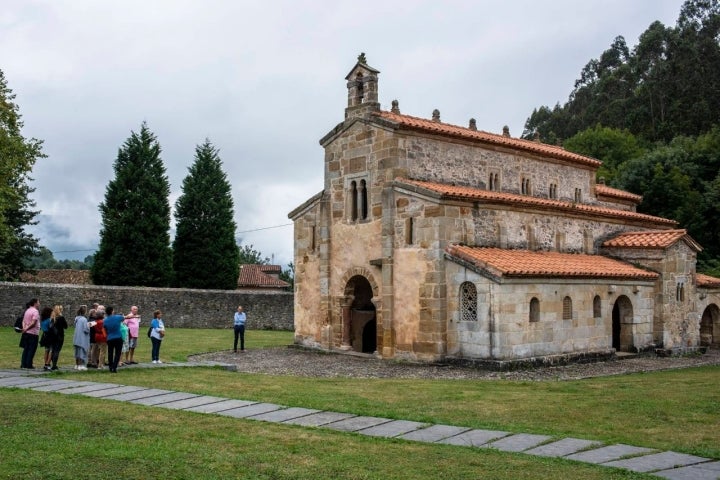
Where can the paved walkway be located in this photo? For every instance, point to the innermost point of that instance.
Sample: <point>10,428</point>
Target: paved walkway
<point>665,464</point>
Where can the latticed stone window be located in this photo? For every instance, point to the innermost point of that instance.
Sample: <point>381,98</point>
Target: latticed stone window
<point>468,302</point>
<point>534,310</point>
<point>567,308</point>
<point>597,312</point>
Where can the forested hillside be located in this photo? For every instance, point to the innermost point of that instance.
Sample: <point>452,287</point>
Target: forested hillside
<point>652,115</point>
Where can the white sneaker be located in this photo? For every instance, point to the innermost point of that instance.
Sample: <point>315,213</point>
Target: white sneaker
<point>159,361</point>
<point>155,361</point>
<point>82,367</point>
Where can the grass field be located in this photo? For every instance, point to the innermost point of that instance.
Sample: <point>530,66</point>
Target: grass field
<point>671,410</point>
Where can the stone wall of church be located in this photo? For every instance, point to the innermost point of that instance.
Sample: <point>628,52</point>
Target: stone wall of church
<point>462,163</point>
<point>503,330</point>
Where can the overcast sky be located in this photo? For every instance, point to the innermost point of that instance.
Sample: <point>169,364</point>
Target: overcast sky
<point>264,81</point>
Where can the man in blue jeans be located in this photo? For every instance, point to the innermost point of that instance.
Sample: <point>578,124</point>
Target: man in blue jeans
<point>239,327</point>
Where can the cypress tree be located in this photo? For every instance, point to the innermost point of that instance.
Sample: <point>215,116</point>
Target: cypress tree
<point>205,254</point>
<point>134,238</point>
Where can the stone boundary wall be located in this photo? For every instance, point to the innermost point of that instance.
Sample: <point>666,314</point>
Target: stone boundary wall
<point>182,308</point>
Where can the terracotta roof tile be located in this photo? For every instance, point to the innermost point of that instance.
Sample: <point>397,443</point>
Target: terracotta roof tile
<point>616,193</point>
<point>430,126</point>
<point>259,276</point>
<point>707,281</point>
<point>526,263</point>
<point>651,239</point>
<point>490,196</point>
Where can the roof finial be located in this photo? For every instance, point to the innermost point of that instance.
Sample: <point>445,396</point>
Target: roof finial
<point>506,131</point>
<point>536,136</point>
<point>361,58</point>
<point>436,115</point>
<point>473,125</point>
<point>395,107</point>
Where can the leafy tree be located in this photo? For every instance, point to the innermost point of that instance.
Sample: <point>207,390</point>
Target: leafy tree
<point>205,254</point>
<point>609,145</point>
<point>17,158</point>
<point>44,260</point>
<point>288,274</point>
<point>250,256</point>
<point>134,240</point>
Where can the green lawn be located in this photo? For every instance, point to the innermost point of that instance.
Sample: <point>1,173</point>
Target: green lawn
<point>672,410</point>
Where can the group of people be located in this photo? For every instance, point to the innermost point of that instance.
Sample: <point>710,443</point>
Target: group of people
<point>100,333</point>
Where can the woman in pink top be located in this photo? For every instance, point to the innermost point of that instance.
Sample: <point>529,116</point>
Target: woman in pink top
<point>132,320</point>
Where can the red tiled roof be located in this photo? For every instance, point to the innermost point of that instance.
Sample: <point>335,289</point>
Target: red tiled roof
<point>259,276</point>
<point>490,196</point>
<point>422,124</point>
<point>615,193</point>
<point>651,239</point>
<point>526,263</point>
<point>707,281</point>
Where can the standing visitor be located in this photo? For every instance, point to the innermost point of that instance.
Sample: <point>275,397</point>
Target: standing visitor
<point>239,328</point>
<point>60,325</point>
<point>81,339</point>
<point>30,332</point>
<point>100,339</point>
<point>132,320</point>
<point>48,334</point>
<point>114,341</point>
<point>157,334</point>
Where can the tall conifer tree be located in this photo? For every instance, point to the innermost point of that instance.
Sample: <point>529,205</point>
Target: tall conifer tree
<point>205,253</point>
<point>17,158</point>
<point>134,239</point>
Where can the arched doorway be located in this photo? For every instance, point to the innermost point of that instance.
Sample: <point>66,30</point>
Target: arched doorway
<point>363,325</point>
<point>622,321</point>
<point>710,326</point>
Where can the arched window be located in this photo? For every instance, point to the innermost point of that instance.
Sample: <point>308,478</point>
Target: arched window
<point>353,201</point>
<point>525,186</point>
<point>567,308</point>
<point>363,200</point>
<point>553,191</point>
<point>597,311</point>
<point>534,310</point>
<point>494,182</point>
<point>468,302</point>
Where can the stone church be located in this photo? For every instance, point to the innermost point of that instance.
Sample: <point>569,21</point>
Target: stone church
<point>435,242</point>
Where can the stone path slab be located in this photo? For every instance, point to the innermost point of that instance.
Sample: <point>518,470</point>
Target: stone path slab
<point>220,406</point>
<point>354,424</point>
<point>609,453</point>
<point>519,442</point>
<point>190,402</point>
<point>285,414</point>
<point>319,419</point>
<point>392,429</point>
<point>12,381</point>
<point>165,398</point>
<point>561,448</point>
<point>250,410</point>
<point>657,461</point>
<point>38,382</point>
<point>700,471</point>
<point>142,393</point>
<point>88,388</point>
<point>120,389</point>
<point>433,433</point>
<point>475,438</point>
<point>57,388</point>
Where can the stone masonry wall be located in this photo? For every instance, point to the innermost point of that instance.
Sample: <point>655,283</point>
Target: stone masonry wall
<point>182,308</point>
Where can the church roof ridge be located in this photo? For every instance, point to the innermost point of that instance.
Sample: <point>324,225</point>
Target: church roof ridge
<point>449,129</point>
<point>528,263</point>
<point>478,194</point>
